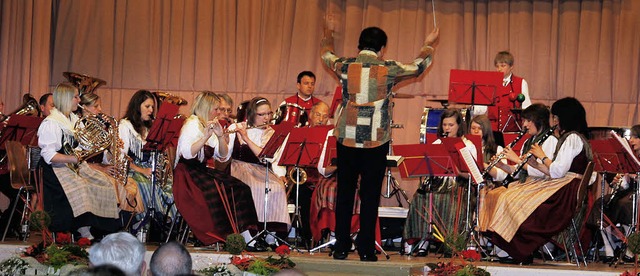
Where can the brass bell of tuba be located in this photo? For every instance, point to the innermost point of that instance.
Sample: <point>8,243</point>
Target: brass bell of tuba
<point>295,177</point>
<point>85,84</point>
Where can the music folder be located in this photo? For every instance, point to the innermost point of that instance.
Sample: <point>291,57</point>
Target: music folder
<point>277,138</point>
<point>614,155</point>
<point>424,160</point>
<point>165,128</point>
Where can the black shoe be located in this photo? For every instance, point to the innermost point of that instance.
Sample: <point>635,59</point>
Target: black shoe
<point>369,257</point>
<point>340,255</point>
<point>421,253</point>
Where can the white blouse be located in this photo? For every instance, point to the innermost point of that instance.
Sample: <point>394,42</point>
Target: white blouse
<point>131,139</point>
<point>192,131</point>
<point>51,131</point>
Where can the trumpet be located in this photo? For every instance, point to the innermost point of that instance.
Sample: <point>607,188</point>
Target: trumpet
<point>498,157</point>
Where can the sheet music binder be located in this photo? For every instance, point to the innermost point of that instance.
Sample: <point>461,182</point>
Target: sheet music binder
<point>21,128</point>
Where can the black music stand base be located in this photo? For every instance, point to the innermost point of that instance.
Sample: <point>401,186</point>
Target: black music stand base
<point>333,241</point>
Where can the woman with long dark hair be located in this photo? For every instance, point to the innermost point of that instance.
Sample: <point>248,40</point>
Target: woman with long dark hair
<point>527,215</point>
<point>134,128</point>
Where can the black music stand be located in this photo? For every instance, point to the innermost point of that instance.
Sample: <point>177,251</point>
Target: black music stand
<point>161,135</point>
<point>281,131</point>
<point>23,129</point>
<point>303,150</point>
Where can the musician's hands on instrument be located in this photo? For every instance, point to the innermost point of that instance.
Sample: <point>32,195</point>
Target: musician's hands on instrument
<point>511,155</point>
<point>537,151</point>
<point>214,127</point>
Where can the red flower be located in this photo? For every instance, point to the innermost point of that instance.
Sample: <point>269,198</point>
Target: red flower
<point>471,255</point>
<point>63,238</point>
<point>283,250</point>
<point>84,242</point>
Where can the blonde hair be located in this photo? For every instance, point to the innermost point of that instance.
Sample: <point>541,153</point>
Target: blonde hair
<point>203,104</point>
<point>63,97</point>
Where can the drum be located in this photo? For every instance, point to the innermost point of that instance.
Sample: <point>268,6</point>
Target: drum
<point>292,113</point>
<point>431,119</point>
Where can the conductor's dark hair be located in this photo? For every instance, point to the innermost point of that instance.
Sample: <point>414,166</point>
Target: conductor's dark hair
<point>373,39</point>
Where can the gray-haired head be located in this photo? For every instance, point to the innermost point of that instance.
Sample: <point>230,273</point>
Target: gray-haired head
<point>120,249</point>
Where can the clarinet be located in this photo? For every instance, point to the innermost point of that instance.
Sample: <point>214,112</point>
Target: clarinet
<point>526,157</point>
<point>498,157</point>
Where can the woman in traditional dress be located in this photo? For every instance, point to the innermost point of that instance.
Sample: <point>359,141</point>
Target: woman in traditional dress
<point>197,188</point>
<point>75,201</point>
<point>134,128</point>
<point>129,198</point>
<point>249,140</point>
<point>528,214</point>
<point>440,201</point>
<point>535,119</point>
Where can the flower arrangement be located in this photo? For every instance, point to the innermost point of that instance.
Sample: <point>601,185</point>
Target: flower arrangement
<point>50,258</point>
<point>253,264</point>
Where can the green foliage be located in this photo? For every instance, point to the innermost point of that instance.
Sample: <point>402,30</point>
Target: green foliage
<point>40,220</point>
<point>235,244</point>
<point>262,267</point>
<point>633,241</point>
<point>455,242</point>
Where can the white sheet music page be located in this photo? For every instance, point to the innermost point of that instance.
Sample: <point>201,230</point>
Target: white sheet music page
<point>626,147</point>
<point>470,163</point>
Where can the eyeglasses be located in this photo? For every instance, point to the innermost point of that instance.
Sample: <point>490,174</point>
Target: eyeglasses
<point>265,114</point>
<point>224,110</point>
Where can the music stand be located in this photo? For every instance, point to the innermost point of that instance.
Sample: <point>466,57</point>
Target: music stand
<point>161,135</point>
<point>473,87</point>
<point>615,155</point>
<point>303,149</point>
<point>425,160</point>
<point>23,129</point>
<point>268,151</point>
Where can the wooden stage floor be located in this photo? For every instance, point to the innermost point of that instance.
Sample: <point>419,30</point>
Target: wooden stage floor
<point>321,263</point>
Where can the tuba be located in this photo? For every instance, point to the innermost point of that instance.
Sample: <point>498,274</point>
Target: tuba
<point>169,98</point>
<point>84,83</point>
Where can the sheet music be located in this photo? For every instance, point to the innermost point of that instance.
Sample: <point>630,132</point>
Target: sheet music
<point>626,147</point>
<point>471,164</point>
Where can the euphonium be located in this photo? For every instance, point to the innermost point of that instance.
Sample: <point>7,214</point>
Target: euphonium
<point>498,157</point>
<point>297,175</point>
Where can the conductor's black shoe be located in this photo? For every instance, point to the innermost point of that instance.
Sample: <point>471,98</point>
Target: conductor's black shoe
<point>369,257</point>
<point>340,255</point>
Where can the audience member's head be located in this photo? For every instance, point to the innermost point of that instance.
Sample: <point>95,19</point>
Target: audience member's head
<point>170,259</point>
<point>100,270</point>
<point>122,250</point>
